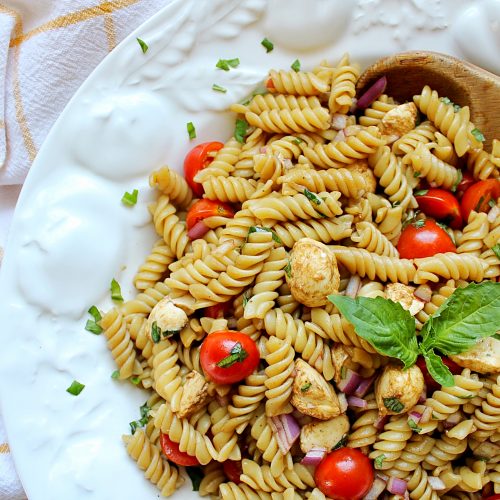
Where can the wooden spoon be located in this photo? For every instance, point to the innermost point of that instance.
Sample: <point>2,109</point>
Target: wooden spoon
<point>460,81</point>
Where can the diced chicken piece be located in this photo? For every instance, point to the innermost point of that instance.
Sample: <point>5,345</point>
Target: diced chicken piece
<point>194,395</point>
<point>312,395</point>
<point>323,434</point>
<point>314,273</point>
<point>342,359</point>
<point>484,357</point>
<point>367,173</point>
<point>398,390</point>
<point>398,121</point>
<point>397,292</point>
<point>167,318</point>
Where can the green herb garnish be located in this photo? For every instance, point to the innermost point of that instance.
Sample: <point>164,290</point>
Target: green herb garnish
<point>115,374</point>
<point>236,355</point>
<point>468,315</point>
<point>394,404</point>
<point>245,300</point>
<point>413,426</point>
<point>478,135</point>
<point>305,387</point>
<point>218,88</point>
<point>312,197</point>
<point>143,44</point>
<point>135,380</point>
<point>341,443</point>
<point>144,412</point>
<point>379,461</point>
<point>446,100</point>
<point>418,223</point>
<point>297,141</point>
<point>288,269</point>
<point>260,229</point>
<point>196,475</point>
<point>496,250</point>
<point>191,130</point>
<point>130,199</point>
<point>295,65</point>
<point>155,333</point>
<point>240,130</point>
<point>116,291</point>
<point>92,324</point>
<point>416,174</point>
<point>227,64</point>
<point>75,388</point>
<point>421,192</point>
<point>491,203</point>
<point>267,44</point>
<point>458,181</point>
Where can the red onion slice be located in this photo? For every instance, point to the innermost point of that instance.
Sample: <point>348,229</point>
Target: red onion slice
<point>396,486</point>
<point>422,398</point>
<point>314,456</point>
<point>415,416</point>
<point>452,420</point>
<point>380,422</point>
<point>364,387</point>
<point>372,94</point>
<point>351,381</point>
<point>286,430</point>
<point>198,230</point>
<point>356,402</point>
<point>376,490</point>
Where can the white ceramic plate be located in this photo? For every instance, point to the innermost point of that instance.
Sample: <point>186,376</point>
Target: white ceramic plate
<point>71,234</point>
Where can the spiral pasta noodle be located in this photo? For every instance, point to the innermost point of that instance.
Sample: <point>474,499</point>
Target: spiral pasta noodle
<point>343,87</point>
<point>297,83</point>
<point>173,185</point>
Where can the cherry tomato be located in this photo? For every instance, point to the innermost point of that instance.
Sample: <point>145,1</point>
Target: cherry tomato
<point>344,474</point>
<point>478,196</point>
<point>220,310</point>
<point>270,84</point>
<point>442,205</point>
<point>171,451</point>
<point>430,383</point>
<point>424,238</point>
<point>233,470</point>
<point>493,497</point>
<point>464,184</point>
<point>204,208</point>
<point>228,357</point>
<point>197,159</point>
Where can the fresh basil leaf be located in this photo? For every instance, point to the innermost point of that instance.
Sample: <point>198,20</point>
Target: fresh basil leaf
<point>226,64</point>
<point>196,475</point>
<point>468,315</point>
<point>155,333</point>
<point>297,140</point>
<point>92,327</point>
<point>305,387</point>
<point>394,404</point>
<point>383,323</point>
<point>416,174</point>
<point>478,135</point>
<point>413,426</point>
<point>379,461</point>
<point>236,355</point>
<point>437,369</point>
<point>75,388</point>
<point>240,130</point>
<point>116,291</point>
<point>143,44</point>
<point>260,229</point>
<point>267,44</point>
<point>245,300</point>
<point>135,380</point>
<point>496,336</point>
<point>496,250</point>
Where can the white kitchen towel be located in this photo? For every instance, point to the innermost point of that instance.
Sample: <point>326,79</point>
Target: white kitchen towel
<point>47,49</point>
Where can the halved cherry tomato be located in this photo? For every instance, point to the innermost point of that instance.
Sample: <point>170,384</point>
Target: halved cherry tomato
<point>430,383</point>
<point>441,205</point>
<point>464,184</point>
<point>344,474</point>
<point>270,84</point>
<point>233,470</point>
<point>493,497</point>
<point>197,159</point>
<point>228,356</point>
<point>171,451</point>
<point>204,208</point>
<point>424,238</point>
<point>478,196</point>
<point>220,310</point>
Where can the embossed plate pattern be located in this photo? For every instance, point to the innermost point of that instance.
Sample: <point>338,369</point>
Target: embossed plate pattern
<point>71,234</point>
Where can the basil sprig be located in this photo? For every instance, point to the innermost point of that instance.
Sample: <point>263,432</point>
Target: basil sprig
<point>468,315</point>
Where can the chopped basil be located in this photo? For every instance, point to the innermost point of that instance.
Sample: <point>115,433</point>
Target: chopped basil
<point>457,182</point>
<point>297,140</point>
<point>91,325</point>
<point>267,44</point>
<point>227,64</point>
<point>135,380</point>
<point>468,396</point>
<point>396,203</point>
<point>288,269</point>
<point>343,372</point>
<point>305,387</point>
<point>478,135</point>
<point>144,412</point>
<point>416,174</point>
<point>479,203</point>
<point>496,249</point>
<point>421,192</point>
<point>379,461</point>
<point>240,130</point>
<point>394,404</point>
<point>236,355</point>
<point>75,388</point>
<point>341,443</point>
<point>191,130</point>
<point>260,229</point>
<point>218,88</point>
<point>133,426</point>
<point>456,108</point>
<point>312,197</point>
<point>155,333</point>
<point>196,475</point>
<point>413,426</point>
<point>143,44</point>
<point>169,333</point>
<point>116,291</point>
<point>491,203</point>
<point>115,374</point>
<point>295,65</point>
<point>130,199</point>
<point>245,299</point>
<point>418,223</point>
<point>446,100</point>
